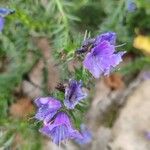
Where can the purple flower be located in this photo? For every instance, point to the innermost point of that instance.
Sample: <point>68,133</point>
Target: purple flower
<point>74,94</point>
<point>2,21</point>
<point>108,36</point>
<point>86,136</point>
<point>5,11</point>
<point>48,107</point>
<point>131,6</point>
<point>60,129</point>
<point>102,58</point>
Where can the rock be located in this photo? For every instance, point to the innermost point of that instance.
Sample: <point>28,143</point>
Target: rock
<point>44,74</point>
<point>102,102</point>
<point>102,138</point>
<point>114,81</point>
<point>31,90</point>
<point>36,74</point>
<point>96,110</point>
<point>52,71</point>
<point>22,108</point>
<point>134,121</point>
<point>49,145</point>
<point>73,64</point>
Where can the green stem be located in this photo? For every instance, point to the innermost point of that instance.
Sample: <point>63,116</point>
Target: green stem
<point>60,8</point>
<point>115,17</point>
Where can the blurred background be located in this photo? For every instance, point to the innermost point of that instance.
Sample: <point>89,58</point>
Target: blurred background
<point>37,48</point>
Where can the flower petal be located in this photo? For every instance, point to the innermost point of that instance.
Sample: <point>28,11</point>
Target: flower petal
<point>91,63</point>
<point>60,129</point>
<point>48,107</point>
<point>51,102</point>
<point>108,36</point>
<point>74,94</point>
<point>102,58</point>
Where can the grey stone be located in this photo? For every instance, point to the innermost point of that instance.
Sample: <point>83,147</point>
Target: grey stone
<point>133,121</point>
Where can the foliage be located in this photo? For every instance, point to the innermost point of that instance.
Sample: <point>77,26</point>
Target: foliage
<point>64,23</point>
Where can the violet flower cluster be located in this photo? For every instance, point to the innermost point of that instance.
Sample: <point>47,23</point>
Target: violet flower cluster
<point>60,129</point>
<point>74,94</point>
<point>3,13</point>
<point>101,58</point>
<point>56,121</point>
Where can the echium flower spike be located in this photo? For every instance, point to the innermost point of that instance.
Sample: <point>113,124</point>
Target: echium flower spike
<point>74,94</point>
<point>108,36</point>
<point>47,108</point>
<point>102,58</point>
<point>60,129</point>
